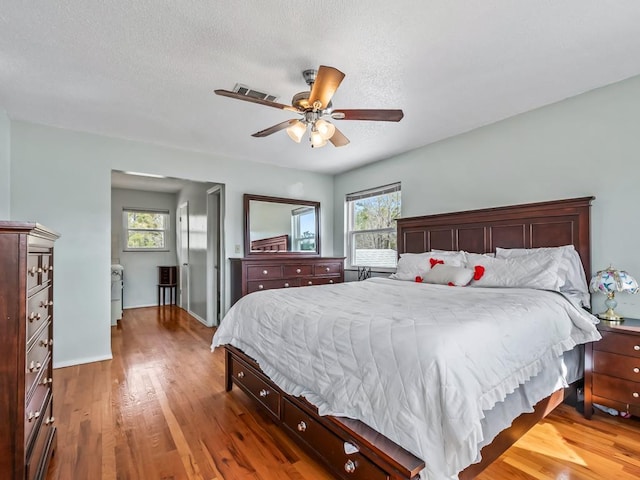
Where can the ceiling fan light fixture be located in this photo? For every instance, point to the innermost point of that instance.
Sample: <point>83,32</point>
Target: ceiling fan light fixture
<point>316,139</point>
<point>297,131</point>
<point>325,129</point>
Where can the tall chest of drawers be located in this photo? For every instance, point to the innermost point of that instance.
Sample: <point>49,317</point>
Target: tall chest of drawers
<point>612,368</point>
<point>27,433</point>
<point>253,274</point>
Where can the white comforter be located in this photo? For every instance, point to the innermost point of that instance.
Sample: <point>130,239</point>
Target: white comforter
<point>417,362</point>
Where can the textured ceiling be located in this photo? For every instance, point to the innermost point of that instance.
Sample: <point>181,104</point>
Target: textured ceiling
<point>146,70</point>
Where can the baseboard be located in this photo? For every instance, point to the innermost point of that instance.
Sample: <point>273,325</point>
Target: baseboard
<point>81,361</point>
<point>199,318</point>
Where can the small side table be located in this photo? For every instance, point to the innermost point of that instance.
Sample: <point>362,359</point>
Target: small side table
<point>612,368</point>
<point>167,279</point>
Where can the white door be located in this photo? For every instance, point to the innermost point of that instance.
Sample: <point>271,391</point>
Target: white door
<point>183,253</point>
<point>213,255</point>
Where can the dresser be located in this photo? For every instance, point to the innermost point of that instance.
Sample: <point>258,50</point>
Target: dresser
<point>27,434</point>
<point>612,368</point>
<point>252,274</point>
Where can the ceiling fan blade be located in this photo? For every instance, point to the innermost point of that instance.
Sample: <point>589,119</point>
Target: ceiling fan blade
<point>373,115</point>
<point>327,82</point>
<point>275,128</point>
<point>338,139</point>
<point>239,96</point>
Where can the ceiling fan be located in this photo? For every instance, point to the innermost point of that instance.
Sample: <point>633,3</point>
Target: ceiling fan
<point>314,107</point>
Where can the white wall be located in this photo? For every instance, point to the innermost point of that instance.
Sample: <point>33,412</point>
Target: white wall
<point>75,170</point>
<point>5,163</point>
<point>141,268</point>
<point>586,145</point>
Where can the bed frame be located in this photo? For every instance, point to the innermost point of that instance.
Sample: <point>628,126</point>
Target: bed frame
<point>545,224</point>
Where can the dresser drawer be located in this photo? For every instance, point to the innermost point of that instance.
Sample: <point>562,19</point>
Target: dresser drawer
<point>46,264</point>
<point>37,357</point>
<point>298,270</point>
<point>258,272</point>
<point>256,286</point>
<point>34,411</point>
<point>307,282</point>
<point>618,389</point>
<point>329,446</point>
<point>39,308</point>
<point>249,380</point>
<point>38,457</point>
<point>327,268</point>
<point>33,271</point>
<point>619,343</point>
<point>615,365</point>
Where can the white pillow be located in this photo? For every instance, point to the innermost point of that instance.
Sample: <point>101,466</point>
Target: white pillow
<point>461,251</point>
<point>447,275</point>
<point>537,271</point>
<point>573,279</point>
<point>412,265</point>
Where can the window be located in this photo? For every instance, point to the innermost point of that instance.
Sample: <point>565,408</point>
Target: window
<point>145,229</point>
<point>303,226</point>
<point>371,227</point>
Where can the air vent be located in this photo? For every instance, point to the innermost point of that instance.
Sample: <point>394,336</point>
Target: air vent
<point>250,92</point>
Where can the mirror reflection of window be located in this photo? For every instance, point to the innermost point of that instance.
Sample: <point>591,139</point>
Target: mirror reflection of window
<point>303,225</point>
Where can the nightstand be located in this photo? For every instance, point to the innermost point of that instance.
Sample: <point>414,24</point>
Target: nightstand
<point>612,368</point>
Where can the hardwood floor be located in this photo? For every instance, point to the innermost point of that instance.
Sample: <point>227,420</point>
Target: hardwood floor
<point>158,410</point>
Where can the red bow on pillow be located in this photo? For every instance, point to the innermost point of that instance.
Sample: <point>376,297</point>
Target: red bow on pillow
<point>478,272</point>
<point>435,261</point>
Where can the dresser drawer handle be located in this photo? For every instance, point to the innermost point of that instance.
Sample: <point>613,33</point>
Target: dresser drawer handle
<point>33,416</point>
<point>298,270</point>
<point>265,272</point>
<point>636,370</point>
<point>49,420</point>
<point>309,282</point>
<point>286,285</point>
<point>328,269</point>
<point>46,304</point>
<point>636,395</point>
<point>263,393</point>
<point>636,347</point>
<point>51,268</point>
<point>45,343</point>
<point>35,366</point>
<point>46,380</point>
<point>33,271</point>
<point>302,426</point>
<point>260,287</point>
<point>34,316</point>
<point>330,281</point>
<point>350,466</point>
<point>240,374</point>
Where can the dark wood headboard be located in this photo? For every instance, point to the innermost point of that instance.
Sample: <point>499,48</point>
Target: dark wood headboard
<point>271,244</point>
<point>531,225</point>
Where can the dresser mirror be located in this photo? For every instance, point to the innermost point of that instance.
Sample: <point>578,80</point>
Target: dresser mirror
<point>282,226</point>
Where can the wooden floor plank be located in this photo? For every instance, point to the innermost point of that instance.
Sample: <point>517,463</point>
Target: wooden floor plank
<point>158,410</point>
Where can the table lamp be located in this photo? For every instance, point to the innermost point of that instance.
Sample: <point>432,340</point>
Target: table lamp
<point>609,281</point>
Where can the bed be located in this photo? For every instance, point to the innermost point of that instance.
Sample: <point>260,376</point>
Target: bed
<point>351,448</point>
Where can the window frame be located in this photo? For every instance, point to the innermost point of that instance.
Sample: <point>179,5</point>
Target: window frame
<point>349,224</point>
<point>165,231</point>
<point>296,230</point>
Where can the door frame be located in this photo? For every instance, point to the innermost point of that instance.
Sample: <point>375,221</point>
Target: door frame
<point>215,270</point>
<point>183,272</point>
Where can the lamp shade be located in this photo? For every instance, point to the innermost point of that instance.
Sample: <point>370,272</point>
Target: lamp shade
<point>612,280</point>
<point>325,129</point>
<point>296,131</point>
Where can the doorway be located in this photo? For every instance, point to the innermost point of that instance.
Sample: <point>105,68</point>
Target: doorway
<point>182,218</point>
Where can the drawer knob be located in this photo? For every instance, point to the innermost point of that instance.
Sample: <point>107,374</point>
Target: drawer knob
<point>330,281</point>
<point>51,268</point>
<point>35,366</point>
<point>260,287</point>
<point>33,415</point>
<point>636,370</point>
<point>328,269</point>
<point>46,380</point>
<point>636,395</point>
<point>263,393</point>
<point>46,304</point>
<point>34,316</point>
<point>241,374</point>
<point>298,270</point>
<point>264,272</point>
<point>33,271</point>
<point>286,285</point>
<point>636,347</point>
<point>49,420</point>
<point>302,426</point>
<point>309,282</point>
<point>44,343</point>
<point>349,467</point>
